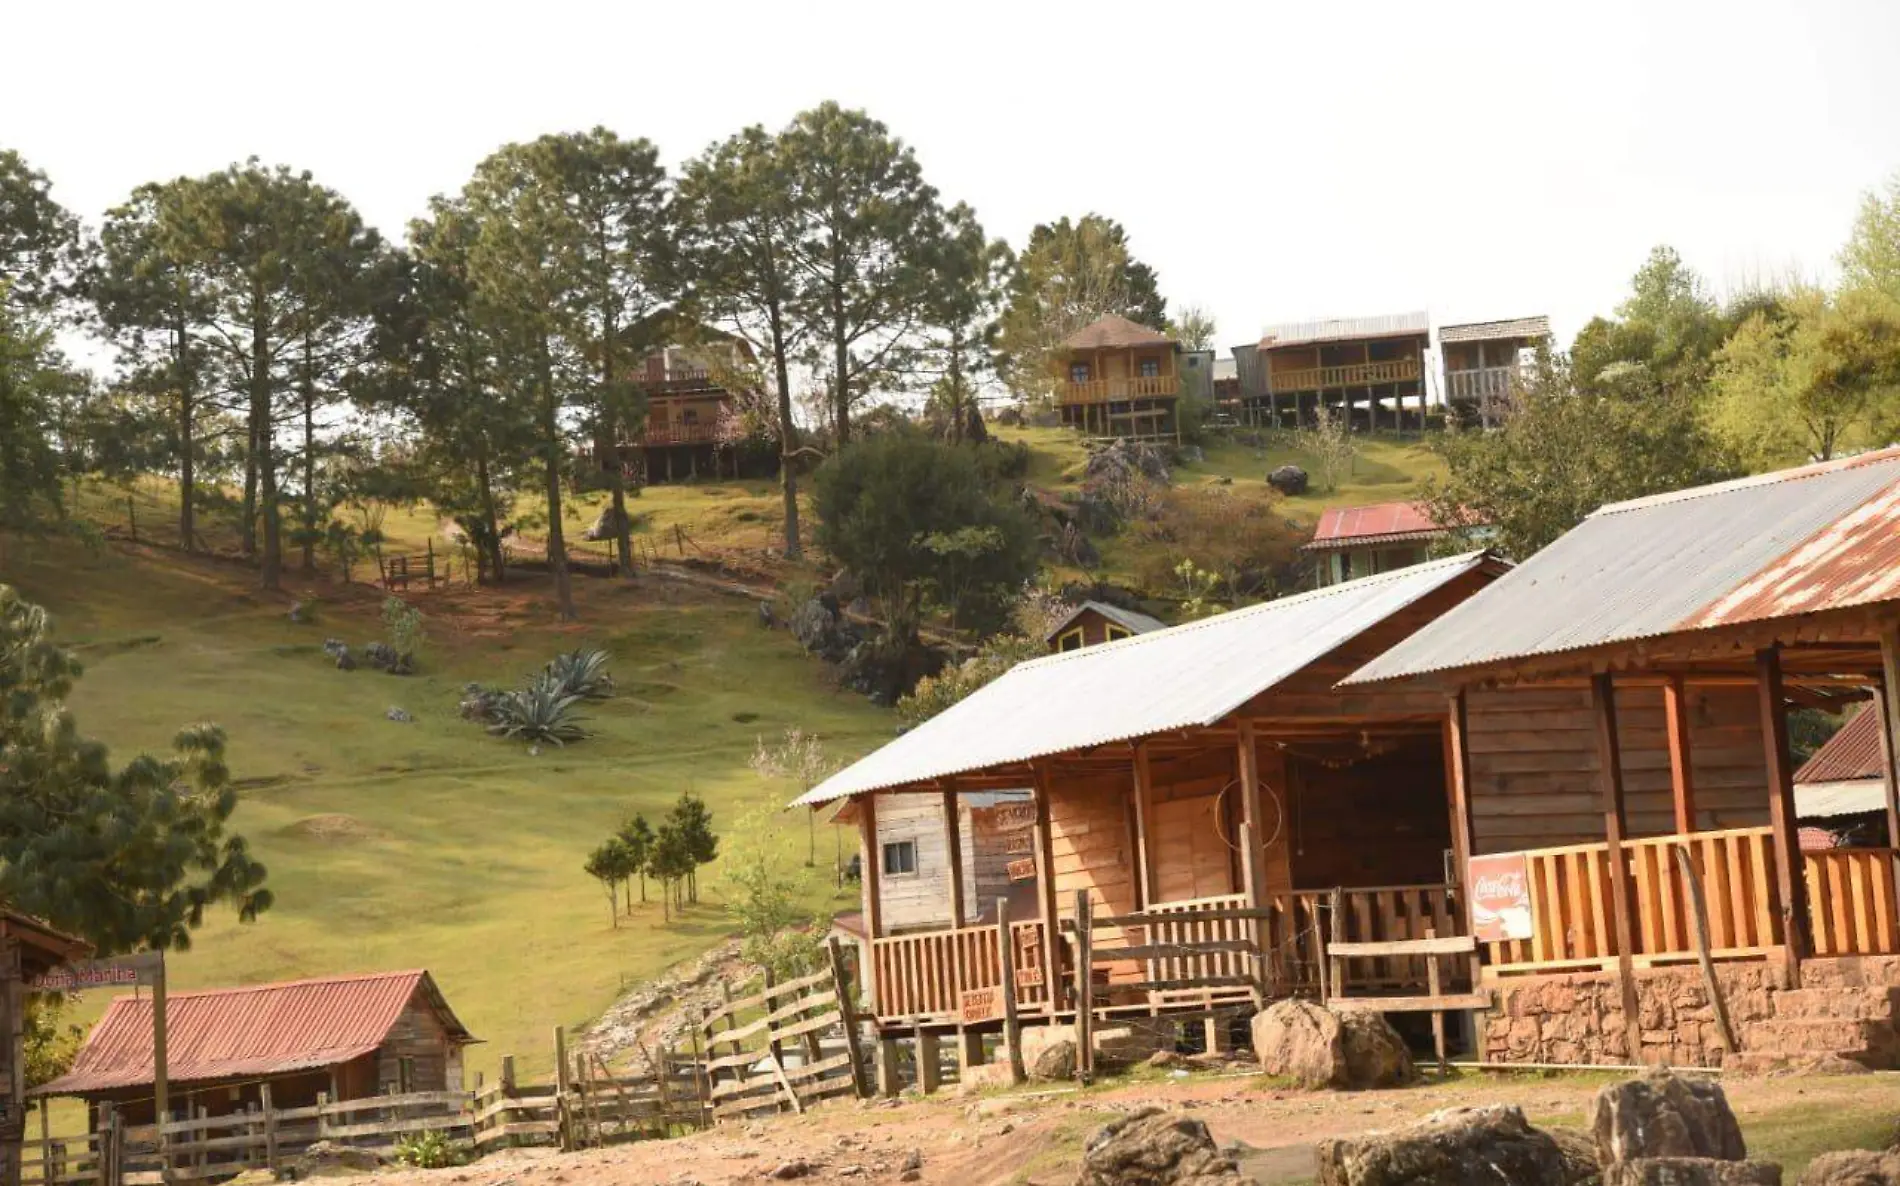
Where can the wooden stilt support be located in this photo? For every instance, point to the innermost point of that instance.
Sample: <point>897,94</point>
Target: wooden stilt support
<point>1616,829</point>
<point>890,1080</point>
<point>1790,873</point>
<point>929,1062</point>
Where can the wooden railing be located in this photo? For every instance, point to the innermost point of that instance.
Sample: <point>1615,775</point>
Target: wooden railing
<point>1390,913</point>
<point>924,976</point>
<point>1851,898</point>
<point>1102,391</point>
<point>1363,374</point>
<point>1480,385</point>
<point>1193,923</point>
<point>679,434</point>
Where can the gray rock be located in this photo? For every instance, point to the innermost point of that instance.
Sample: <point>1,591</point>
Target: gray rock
<point>345,661</point>
<point>303,612</point>
<point>786,1171</point>
<point>399,715</point>
<point>1151,1147</point>
<point>1665,1115</point>
<point>1691,1171</point>
<point>327,1159</point>
<point>1485,1146</point>
<point>1289,480</point>
<point>1375,1054</point>
<point>1857,1167</point>
<point>822,630</point>
<point>1579,1151</point>
<point>1190,455</point>
<point>1300,1041</point>
<point>1055,1063</point>
<point>768,617</point>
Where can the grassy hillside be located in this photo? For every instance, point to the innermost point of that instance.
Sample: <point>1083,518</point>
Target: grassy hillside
<point>432,844</point>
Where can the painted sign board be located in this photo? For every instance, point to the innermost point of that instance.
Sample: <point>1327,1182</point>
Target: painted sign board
<point>1500,897</point>
<point>1022,870</point>
<point>981,1004</point>
<point>123,971</point>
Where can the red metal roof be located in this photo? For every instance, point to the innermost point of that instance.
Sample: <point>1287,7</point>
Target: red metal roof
<point>260,1029</point>
<point>1852,753</point>
<point>1339,524</point>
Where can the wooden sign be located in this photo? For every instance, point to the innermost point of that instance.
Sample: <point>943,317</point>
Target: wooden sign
<point>1007,816</point>
<point>981,1004</point>
<point>1500,887</point>
<point>1030,977</point>
<point>1018,842</point>
<point>1022,870</point>
<point>123,971</point>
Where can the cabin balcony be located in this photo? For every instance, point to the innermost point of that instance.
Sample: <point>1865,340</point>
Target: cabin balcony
<point>1359,374</point>
<point>686,433</point>
<point>676,379</point>
<point>1483,385</point>
<point>1117,390</point>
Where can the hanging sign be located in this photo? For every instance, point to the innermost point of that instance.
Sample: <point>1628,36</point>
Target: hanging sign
<point>1023,870</point>
<point>1500,897</point>
<point>981,1004</point>
<point>123,971</point>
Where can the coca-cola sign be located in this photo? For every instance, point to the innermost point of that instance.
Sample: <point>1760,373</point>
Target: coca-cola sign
<point>1500,889</point>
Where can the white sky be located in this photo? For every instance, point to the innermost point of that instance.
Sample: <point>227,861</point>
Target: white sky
<point>1272,161</point>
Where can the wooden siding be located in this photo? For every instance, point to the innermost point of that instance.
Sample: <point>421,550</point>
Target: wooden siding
<point>1534,764</point>
<point>1092,847</point>
<point>417,1035</point>
<point>920,900</point>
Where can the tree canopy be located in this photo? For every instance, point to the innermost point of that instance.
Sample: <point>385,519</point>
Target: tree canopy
<point>1069,274</point>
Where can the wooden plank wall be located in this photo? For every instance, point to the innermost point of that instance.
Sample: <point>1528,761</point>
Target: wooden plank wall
<point>921,900</point>
<point>1381,821</point>
<point>1192,825</point>
<point>418,1035</point>
<point>1534,764</point>
<point>1091,843</point>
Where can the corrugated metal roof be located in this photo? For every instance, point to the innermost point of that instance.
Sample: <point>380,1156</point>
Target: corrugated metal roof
<point>1132,620</point>
<point>1178,678</point>
<point>1493,331</point>
<point>1112,332</point>
<point>1820,537</point>
<point>1854,796</point>
<point>1345,329</point>
<point>1342,524</point>
<point>1853,752</point>
<point>260,1029</point>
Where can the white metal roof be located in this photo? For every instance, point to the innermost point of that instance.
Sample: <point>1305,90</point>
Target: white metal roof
<point>1852,796</point>
<point>1178,678</point>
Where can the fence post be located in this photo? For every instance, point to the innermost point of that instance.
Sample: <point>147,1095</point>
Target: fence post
<point>1336,932</point>
<point>1006,986</point>
<point>771,1007</point>
<point>323,1105</point>
<point>848,1016</point>
<point>1084,989</point>
<point>700,1077</point>
<point>270,1126</point>
<point>739,1068</point>
<point>563,1131</point>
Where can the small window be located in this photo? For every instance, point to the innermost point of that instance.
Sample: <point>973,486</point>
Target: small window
<point>1115,632</point>
<point>1151,368</point>
<point>689,416</point>
<point>1078,372</point>
<point>900,858</point>
<point>1070,641</point>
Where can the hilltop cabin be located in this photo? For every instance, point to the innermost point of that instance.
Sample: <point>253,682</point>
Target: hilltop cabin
<point>271,1045</point>
<point>1483,362</point>
<point>1121,380</point>
<point>912,855</point>
<point>1199,784</point>
<point>1840,794</point>
<point>1095,622</point>
<point>692,397</point>
<point>29,948</point>
<point>1625,804</point>
<point>1369,370</point>
<point>1378,537</point>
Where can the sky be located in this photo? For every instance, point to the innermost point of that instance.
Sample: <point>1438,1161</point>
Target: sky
<point>1273,162</point>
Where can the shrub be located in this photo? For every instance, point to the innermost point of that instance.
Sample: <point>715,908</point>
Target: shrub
<point>402,623</point>
<point>540,712</point>
<point>1241,539</point>
<point>583,673</point>
<point>427,1151</point>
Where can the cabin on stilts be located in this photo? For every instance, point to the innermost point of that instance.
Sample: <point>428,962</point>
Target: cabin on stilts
<point>1369,371</point>
<point>1120,380</point>
<point>1624,800</point>
<point>1484,365</point>
<point>1207,816</point>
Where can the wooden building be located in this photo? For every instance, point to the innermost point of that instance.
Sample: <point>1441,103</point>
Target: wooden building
<point>693,395</point>
<point>1120,380</point>
<point>1095,622</point>
<point>1378,537</point>
<point>28,949</point>
<point>1842,790</point>
<point>273,1045</point>
<point>1205,779</point>
<point>1624,797</point>
<point>1369,370</point>
<point>1484,361</point>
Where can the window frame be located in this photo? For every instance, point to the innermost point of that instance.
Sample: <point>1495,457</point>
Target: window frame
<point>1112,632</point>
<point>1062,640</point>
<point>898,846</point>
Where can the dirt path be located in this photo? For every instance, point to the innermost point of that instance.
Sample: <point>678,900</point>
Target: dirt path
<point>1036,1139</point>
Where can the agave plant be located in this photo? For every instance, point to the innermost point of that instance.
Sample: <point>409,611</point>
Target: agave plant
<point>541,712</point>
<point>582,673</point>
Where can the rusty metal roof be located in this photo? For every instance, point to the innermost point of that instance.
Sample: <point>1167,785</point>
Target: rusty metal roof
<point>257,1030</point>
<point>1178,678</point>
<point>1798,541</point>
<point>1345,525</point>
<point>1853,752</point>
<point>1112,332</point>
<point>1495,331</point>
<point>1346,329</point>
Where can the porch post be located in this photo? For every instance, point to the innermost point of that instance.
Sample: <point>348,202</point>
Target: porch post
<point>953,852</point>
<point>1615,830</point>
<point>871,868</point>
<point>1144,851</point>
<point>1253,872</point>
<point>1046,890</point>
<point>1790,872</point>
<point>1458,795</point>
<point>1887,704</point>
<point>1681,762</point>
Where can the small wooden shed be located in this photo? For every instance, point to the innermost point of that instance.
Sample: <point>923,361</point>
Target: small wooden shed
<point>28,948</point>
<point>1095,622</point>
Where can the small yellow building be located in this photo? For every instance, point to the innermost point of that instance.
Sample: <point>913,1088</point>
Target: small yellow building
<point>1121,380</point>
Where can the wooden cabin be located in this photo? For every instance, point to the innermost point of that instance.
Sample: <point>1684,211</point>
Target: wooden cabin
<point>1369,370</point>
<point>1095,622</point>
<point>1120,380</point>
<point>1624,797</point>
<point>1483,362</point>
<point>272,1045</point>
<point>28,949</point>
<point>1378,537</point>
<point>1202,783</point>
<point>693,398</point>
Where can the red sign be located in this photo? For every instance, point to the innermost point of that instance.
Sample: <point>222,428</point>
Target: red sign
<point>1500,888</point>
<point>981,1004</point>
<point>1023,870</point>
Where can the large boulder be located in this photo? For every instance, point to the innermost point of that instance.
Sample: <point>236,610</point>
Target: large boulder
<point>1691,1171</point>
<point>1857,1167</point>
<point>1316,1047</point>
<point>1665,1115</point>
<point>1151,1147</point>
<point>1485,1146</point>
<point>1054,1062</point>
<point>327,1159</point>
<point>1289,480</point>
<point>821,629</point>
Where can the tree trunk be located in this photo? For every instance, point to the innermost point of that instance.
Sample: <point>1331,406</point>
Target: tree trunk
<point>187,416</point>
<point>490,545</point>
<point>551,442</point>
<point>309,462</point>
<point>787,438</point>
<point>247,534</point>
<point>616,473</point>
<point>840,361</point>
<point>270,574</point>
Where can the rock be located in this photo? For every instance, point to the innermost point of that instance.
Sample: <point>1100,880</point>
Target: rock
<point>303,612</point>
<point>1288,480</point>
<point>983,1077</point>
<point>1856,1167</point>
<point>911,1176</point>
<point>1665,1115</point>
<point>480,704</point>
<point>1579,1151</point>
<point>1054,1063</point>
<point>339,650</point>
<point>1000,1107</point>
<point>603,525</point>
<point>1123,460</point>
<point>787,1170</point>
<point>821,629</point>
<point>345,661</point>
<point>1165,1058</point>
<point>914,1160</point>
<point>327,1159</point>
<point>1483,1146</point>
<point>768,617</point>
<point>1375,1055</point>
<point>399,715</point>
<point>1300,1041</point>
<point>1691,1171</point>
<point>1190,455</point>
<point>1151,1147</point>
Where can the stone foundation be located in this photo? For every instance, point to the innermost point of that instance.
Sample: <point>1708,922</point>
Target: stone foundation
<point>1843,1008</point>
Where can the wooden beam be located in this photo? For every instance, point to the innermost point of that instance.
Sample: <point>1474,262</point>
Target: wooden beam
<point>1887,704</point>
<point>1253,857</point>
<point>953,850</point>
<point>1046,888</point>
<point>1458,794</point>
<point>1144,804</point>
<point>872,867</point>
<point>1616,830</point>
<point>1790,875</point>
<point>1681,763</point>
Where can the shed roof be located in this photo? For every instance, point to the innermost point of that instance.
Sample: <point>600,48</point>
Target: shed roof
<point>1346,329</point>
<point>41,945</point>
<point>1373,523</point>
<point>1853,752</point>
<point>1113,331</point>
<point>1495,331</point>
<point>1178,678</point>
<point>1133,621</point>
<point>1804,540</point>
<point>256,1030</point>
<point>1849,796</point>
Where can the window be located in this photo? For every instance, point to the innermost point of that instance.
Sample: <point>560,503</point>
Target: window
<point>689,415</point>
<point>900,858</point>
<point>1070,640</point>
<point>1078,372</point>
<point>1150,368</point>
<point>1115,632</point>
<point>405,1075</point>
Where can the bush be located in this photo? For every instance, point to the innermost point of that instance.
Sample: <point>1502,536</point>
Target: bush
<point>540,712</point>
<point>1242,540</point>
<point>582,673</point>
<point>427,1151</point>
<point>402,623</point>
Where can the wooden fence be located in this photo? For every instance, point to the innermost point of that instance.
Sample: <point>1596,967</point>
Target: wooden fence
<point>777,1060</point>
